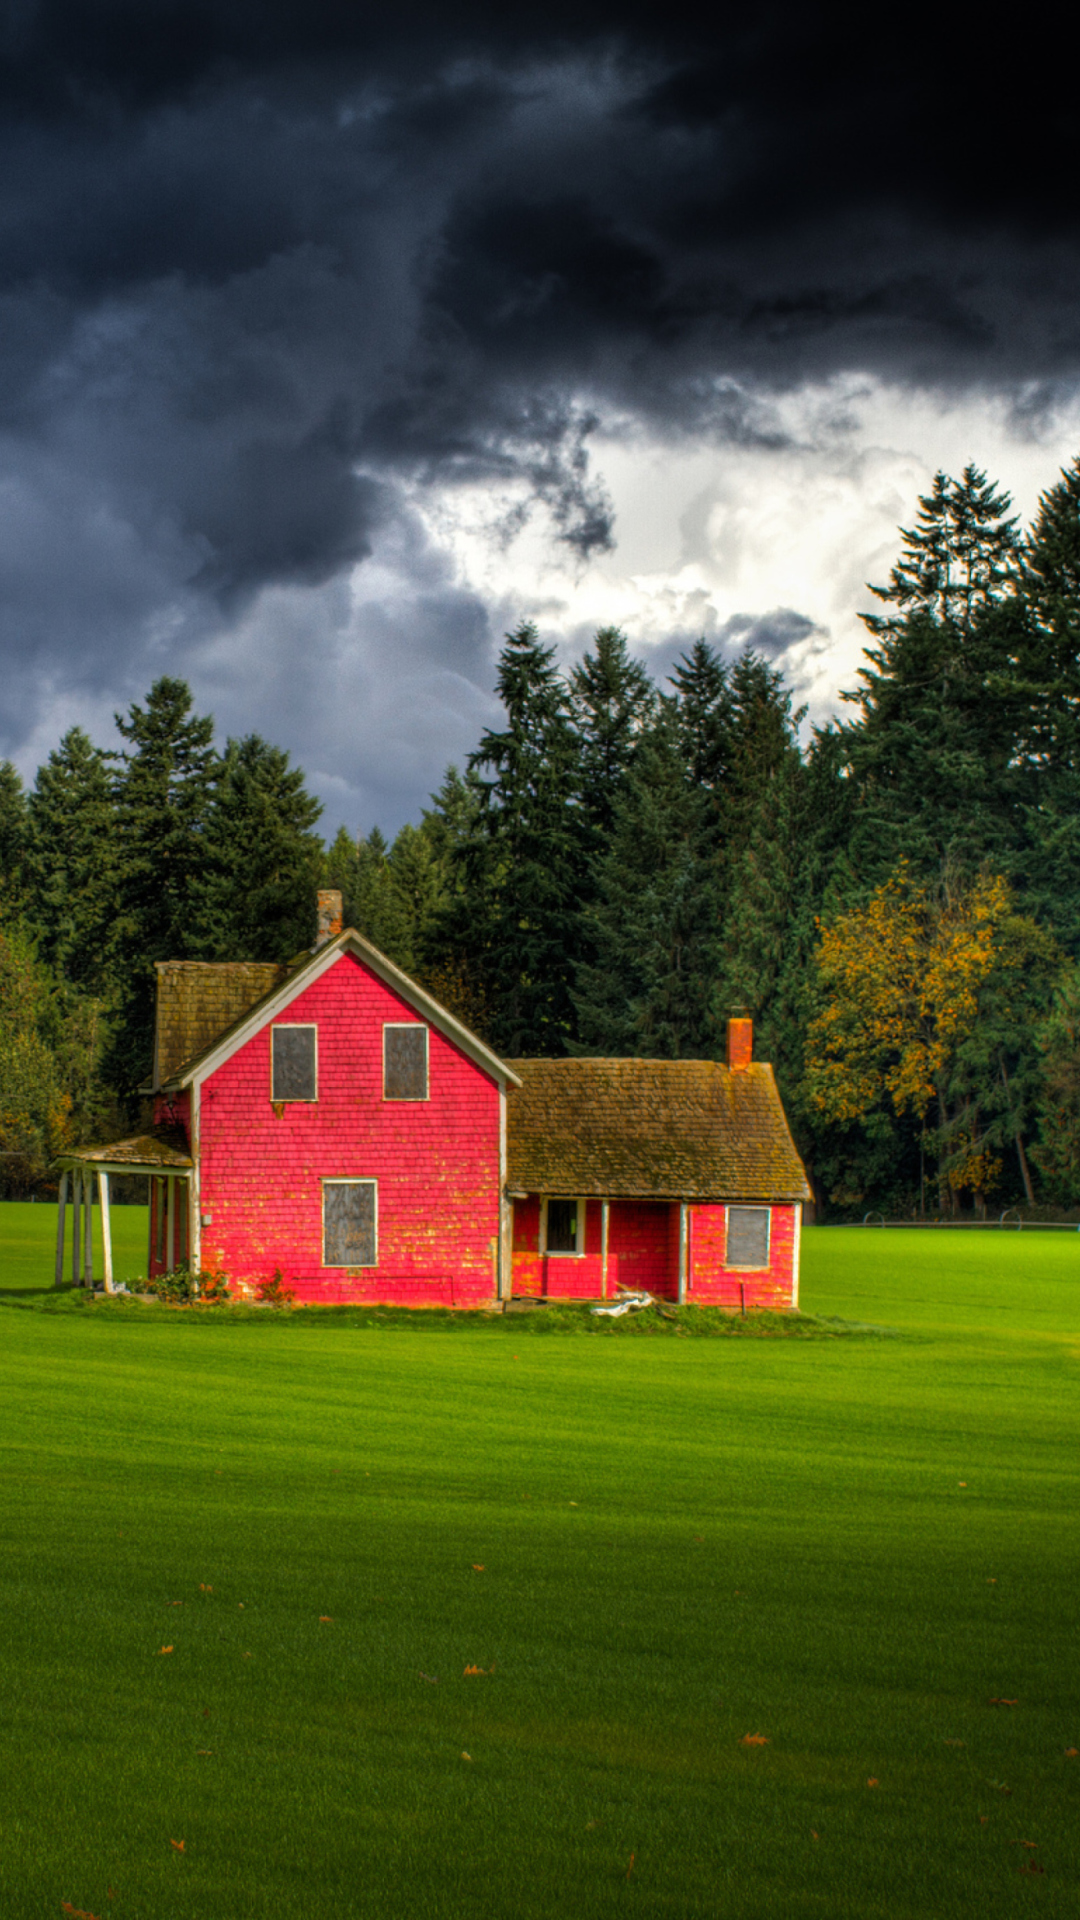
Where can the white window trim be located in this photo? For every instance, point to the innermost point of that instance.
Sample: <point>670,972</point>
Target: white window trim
<point>731,1266</point>
<point>347,1180</point>
<point>408,1099</point>
<point>294,1026</point>
<point>560,1253</point>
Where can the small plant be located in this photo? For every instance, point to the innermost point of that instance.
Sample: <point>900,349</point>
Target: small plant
<point>182,1288</point>
<point>274,1292</point>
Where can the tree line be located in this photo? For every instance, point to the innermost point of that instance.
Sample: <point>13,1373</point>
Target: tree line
<point>622,864</point>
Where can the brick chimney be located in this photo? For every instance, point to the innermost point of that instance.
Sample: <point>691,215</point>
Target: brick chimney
<point>329,916</point>
<point>740,1044</point>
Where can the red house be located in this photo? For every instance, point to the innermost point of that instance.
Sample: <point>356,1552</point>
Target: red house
<point>333,1121</point>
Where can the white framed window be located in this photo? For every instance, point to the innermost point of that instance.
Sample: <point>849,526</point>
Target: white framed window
<point>405,1061</point>
<point>350,1223</point>
<point>748,1237</point>
<point>294,1063</point>
<point>563,1226</point>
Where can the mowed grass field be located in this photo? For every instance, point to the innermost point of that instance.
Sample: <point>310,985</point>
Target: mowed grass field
<point>651,1548</point>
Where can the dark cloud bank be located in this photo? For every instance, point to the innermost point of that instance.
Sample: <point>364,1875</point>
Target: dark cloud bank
<point>264,270</point>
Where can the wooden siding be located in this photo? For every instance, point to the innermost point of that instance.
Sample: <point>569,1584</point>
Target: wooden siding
<point>436,1161</point>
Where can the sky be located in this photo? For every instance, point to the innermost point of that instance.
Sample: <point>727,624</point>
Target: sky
<point>336,341</point>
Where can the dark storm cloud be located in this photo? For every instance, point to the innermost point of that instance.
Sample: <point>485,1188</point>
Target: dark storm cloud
<point>266,267</point>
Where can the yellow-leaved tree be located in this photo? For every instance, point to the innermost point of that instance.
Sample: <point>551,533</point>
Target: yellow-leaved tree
<point>901,979</point>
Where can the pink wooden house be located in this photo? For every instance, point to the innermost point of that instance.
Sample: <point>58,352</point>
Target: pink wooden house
<point>334,1121</point>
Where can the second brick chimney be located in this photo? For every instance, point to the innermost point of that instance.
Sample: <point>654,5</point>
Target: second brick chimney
<point>740,1043</point>
<point>329,916</point>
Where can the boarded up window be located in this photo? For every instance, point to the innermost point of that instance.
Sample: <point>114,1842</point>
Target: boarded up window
<point>293,1074</point>
<point>562,1225</point>
<point>349,1223</point>
<point>405,1063</point>
<point>748,1237</point>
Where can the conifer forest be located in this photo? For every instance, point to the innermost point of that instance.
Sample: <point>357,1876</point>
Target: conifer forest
<point>894,897</point>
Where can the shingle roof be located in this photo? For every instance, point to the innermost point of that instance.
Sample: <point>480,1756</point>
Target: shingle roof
<point>650,1130</point>
<point>163,1150</point>
<point>197,1000</point>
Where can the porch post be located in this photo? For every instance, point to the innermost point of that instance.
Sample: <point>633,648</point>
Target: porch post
<point>603,1248</point>
<point>61,1209</point>
<point>106,1228</point>
<point>170,1223</point>
<point>682,1251</point>
<point>88,1230</point>
<point>76,1225</point>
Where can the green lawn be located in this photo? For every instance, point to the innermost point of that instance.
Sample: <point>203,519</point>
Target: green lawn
<point>652,1548</point>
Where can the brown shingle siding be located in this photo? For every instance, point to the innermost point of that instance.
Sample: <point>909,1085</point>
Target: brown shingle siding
<point>650,1129</point>
<point>197,1000</point>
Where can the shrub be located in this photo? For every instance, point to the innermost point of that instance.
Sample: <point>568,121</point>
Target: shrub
<point>274,1292</point>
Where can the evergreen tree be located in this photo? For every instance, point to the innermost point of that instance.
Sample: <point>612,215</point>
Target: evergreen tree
<point>650,989</point>
<point>932,751</point>
<point>71,865</point>
<point>704,709</point>
<point>252,896</point>
<point>1047,693</point>
<point>12,831</point>
<point>162,795</point>
<point>512,918</point>
<point>611,700</point>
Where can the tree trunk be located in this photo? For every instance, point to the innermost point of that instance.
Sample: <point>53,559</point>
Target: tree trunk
<point>1024,1168</point>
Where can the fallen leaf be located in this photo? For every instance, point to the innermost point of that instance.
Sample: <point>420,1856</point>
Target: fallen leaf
<point>432,1678</point>
<point>241,1605</point>
<point>630,1868</point>
<point>813,1835</point>
<point>326,1619</point>
<point>992,1581</point>
<point>206,1713</point>
<point>1023,1843</point>
<point>476,1670</point>
<point>178,1844</point>
<point>476,1568</point>
<point>207,1752</point>
<point>245,1656</point>
<point>590,1824</point>
<point>1031,1866</point>
<point>205,1589</point>
<point>962,1483</point>
<point>955,1743</point>
<point>1071,1752</point>
<point>573,1503</point>
<point>754,1740</point>
<point>466,1756</point>
<point>174,1603</point>
<point>1004,1703</point>
<point>873,1783</point>
<point>165,1649</point>
<point>78,1913</point>
<point>983,1818</point>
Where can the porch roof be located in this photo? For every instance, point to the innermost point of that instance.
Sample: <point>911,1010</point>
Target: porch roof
<point>162,1150</point>
<point>650,1130</point>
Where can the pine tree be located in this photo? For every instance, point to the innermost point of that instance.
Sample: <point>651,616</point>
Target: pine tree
<point>932,751</point>
<point>162,797</point>
<point>649,990</point>
<point>512,920</point>
<point>71,865</point>
<point>1048,697</point>
<point>705,715</point>
<point>611,699</point>
<point>253,894</point>
<point>12,831</point>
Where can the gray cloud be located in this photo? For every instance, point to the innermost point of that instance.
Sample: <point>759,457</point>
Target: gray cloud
<point>267,268</point>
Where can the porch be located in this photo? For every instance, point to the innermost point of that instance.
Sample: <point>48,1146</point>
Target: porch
<point>163,1156</point>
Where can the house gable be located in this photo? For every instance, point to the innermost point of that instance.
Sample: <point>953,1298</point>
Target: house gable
<point>273,1005</point>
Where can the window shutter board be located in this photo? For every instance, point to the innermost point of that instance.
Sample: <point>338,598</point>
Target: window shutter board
<point>349,1226</point>
<point>748,1237</point>
<point>405,1063</point>
<point>293,1068</point>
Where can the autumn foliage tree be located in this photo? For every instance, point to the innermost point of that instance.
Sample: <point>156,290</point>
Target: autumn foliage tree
<point>902,980</point>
